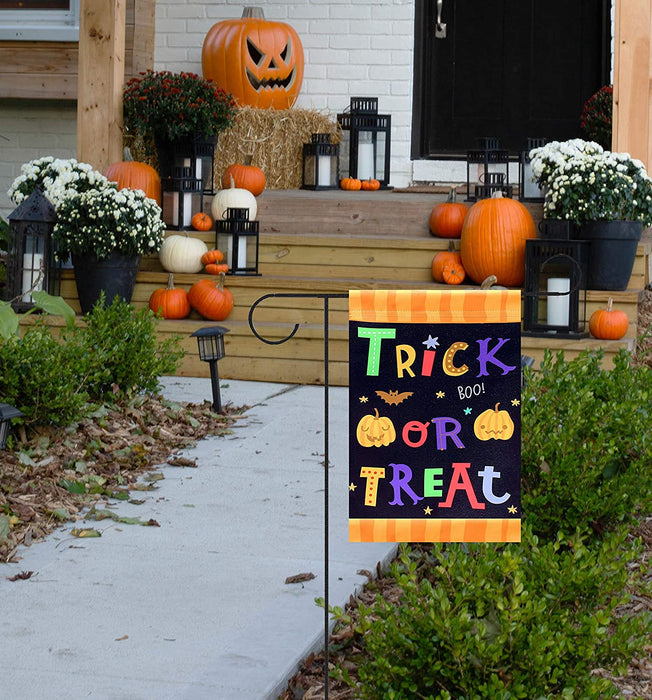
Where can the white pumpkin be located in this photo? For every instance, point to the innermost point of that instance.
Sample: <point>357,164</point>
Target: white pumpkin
<point>233,198</point>
<point>182,253</point>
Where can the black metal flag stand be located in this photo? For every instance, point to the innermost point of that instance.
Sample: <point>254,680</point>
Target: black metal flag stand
<point>326,298</point>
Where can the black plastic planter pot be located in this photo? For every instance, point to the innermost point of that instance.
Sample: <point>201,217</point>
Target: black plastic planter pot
<point>612,252</point>
<point>114,276</point>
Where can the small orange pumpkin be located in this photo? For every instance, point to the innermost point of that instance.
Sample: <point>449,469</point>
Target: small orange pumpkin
<point>350,183</point>
<point>216,268</point>
<point>211,299</point>
<point>449,257</point>
<point>453,273</point>
<point>133,175</point>
<point>371,185</point>
<point>201,221</point>
<point>247,177</point>
<point>212,256</point>
<point>609,323</point>
<point>170,302</point>
<point>447,218</point>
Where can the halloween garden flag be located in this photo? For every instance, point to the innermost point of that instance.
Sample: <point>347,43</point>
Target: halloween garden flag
<point>434,413</point>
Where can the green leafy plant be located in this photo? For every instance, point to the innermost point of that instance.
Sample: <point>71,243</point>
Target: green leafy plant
<point>175,105</point>
<point>524,620</point>
<point>123,353</point>
<point>586,446</point>
<point>583,182</point>
<point>596,118</point>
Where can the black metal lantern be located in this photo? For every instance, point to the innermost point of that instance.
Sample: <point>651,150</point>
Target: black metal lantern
<point>190,157</point>
<point>320,163</point>
<point>31,264</point>
<point>555,288</point>
<point>7,414</point>
<point>529,190</point>
<point>210,343</point>
<point>237,237</point>
<point>492,164</point>
<point>182,198</point>
<point>366,139</point>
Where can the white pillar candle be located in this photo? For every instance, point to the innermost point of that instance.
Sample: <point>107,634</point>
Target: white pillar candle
<point>366,168</point>
<point>242,252</point>
<point>323,170</point>
<point>558,306</point>
<point>32,265</point>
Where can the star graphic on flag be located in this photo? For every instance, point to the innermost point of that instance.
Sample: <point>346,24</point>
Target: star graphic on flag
<point>512,510</point>
<point>467,411</point>
<point>440,394</point>
<point>516,402</point>
<point>352,487</point>
<point>431,342</point>
<point>363,399</point>
<point>428,510</point>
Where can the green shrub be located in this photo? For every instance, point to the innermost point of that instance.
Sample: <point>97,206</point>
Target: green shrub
<point>123,355</point>
<point>586,444</point>
<point>40,376</point>
<point>501,621</point>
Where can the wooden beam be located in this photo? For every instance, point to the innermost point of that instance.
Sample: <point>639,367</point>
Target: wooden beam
<point>100,82</point>
<point>632,128</point>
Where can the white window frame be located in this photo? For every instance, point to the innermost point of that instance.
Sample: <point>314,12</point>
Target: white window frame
<point>40,25</point>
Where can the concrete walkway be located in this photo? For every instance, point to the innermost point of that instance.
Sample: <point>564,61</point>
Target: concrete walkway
<point>197,608</point>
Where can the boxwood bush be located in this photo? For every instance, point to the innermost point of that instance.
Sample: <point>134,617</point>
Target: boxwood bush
<point>53,380</point>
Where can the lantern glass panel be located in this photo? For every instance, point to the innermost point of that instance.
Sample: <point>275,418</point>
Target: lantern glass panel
<point>182,199</point>
<point>237,238</point>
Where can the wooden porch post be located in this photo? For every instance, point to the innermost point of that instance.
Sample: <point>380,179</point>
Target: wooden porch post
<point>100,82</point>
<point>632,113</point>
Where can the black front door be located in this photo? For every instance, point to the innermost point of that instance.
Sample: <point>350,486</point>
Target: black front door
<point>510,69</point>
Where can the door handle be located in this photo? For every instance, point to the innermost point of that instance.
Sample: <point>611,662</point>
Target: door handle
<point>440,27</point>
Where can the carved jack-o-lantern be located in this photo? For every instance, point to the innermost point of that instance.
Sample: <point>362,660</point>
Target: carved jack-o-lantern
<point>375,431</point>
<point>259,62</point>
<point>493,424</point>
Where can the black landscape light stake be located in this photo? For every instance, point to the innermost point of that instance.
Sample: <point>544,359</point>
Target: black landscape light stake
<point>7,413</point>
<point>320,163</point>
<point>30,256</point>
<point>210,341</point>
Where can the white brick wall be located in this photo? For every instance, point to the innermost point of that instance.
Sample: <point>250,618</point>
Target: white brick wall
<point>351,48</point>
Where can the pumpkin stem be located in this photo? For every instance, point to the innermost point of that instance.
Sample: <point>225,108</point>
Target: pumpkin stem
<point>232,182</point>
<point>452,194</point>
<point>248,159</point>
<point>489,282</point>
<point>451,246</point>
<point>496,409</point>
<point>376,410</point>
<point>126,154</point>
<point>220,282</point>
<point>610,303</point>
<point>170,281</point>
<point>497,195</point>
<point>253,12</point>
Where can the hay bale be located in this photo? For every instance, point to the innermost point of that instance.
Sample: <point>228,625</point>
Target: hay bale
<point>274,139</point>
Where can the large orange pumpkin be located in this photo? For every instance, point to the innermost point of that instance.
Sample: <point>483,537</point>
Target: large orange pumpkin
<point>211,299</point>
<point>260,62</point>
<point>134,175</point>
<point>447,218</point>
<point>493,240</point>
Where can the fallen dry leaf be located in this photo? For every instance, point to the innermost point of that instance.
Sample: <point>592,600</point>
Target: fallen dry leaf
<point>299,578</point>
<point>22,576</point>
